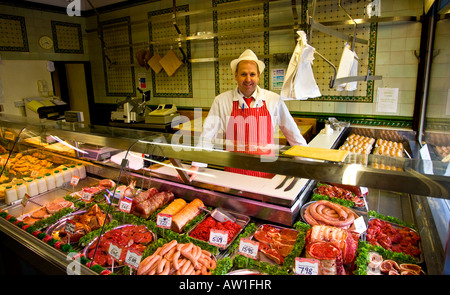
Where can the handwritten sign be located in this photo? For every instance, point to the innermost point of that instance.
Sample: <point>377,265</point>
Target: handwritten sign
<point>74,180</point>
<point>306,266</point>
<point>125,205</point>
<point>86,196</point>
<point>248,248</point>
<point>70,226</point>
<point>164,220</point>
<point>114,251</point>
<point>133,259</point>
<point>218,238</point>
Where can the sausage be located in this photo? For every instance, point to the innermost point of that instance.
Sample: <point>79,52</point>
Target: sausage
<point>169,254</point>
<point>344,219</point>
<point>189,256</point>
<point>148,264</point>
<point>175,257</point>
<point>168,247</point>
<point>187,247</point>
<point>161,265</point>
<point>185,267</point>
<point>199,253</point>
<point>166,268</point>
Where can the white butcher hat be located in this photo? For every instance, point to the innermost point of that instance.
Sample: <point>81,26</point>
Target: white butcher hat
<point>248,55</point>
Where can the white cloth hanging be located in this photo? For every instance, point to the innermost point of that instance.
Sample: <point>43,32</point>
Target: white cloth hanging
<point>299,82</point>
<point>348,67</point>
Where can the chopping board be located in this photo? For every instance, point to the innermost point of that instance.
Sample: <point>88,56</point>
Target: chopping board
<point>154,63</point>
<point>170,62</point>
<point>317,153</point>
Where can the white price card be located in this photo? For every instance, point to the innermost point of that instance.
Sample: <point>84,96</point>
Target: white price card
<point>218,238</point>
<point>360,225</point>
<point>70,226</point>
<point>164,220</point>
<point>74,180</point>
<point>86,196</point>
<point>114,251</point>
<point>306,266</point>
<point>125,205</point>
<point>133,259</point>
<point>248,248</point>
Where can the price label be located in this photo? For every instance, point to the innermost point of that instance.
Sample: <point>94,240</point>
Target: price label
<point>133,259</point>
<point>248,248</point>
<point>114,251</point>
<point>306,266</point>
<point>25,199</point>
<point>34,173</point>
<point>164,220</point>
<point>125,205</point>
<point>74,180</point>
<point>218,238</point>
<point>86,196</point>
<point>70,226</point>
<point>360,225</point>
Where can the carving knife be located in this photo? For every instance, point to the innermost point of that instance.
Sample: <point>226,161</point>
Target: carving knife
<point>291,185</point>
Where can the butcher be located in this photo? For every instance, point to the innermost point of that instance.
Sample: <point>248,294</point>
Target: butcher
<point>247,116</point>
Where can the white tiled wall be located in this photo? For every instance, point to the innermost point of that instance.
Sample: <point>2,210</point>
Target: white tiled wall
<point>395,54</point>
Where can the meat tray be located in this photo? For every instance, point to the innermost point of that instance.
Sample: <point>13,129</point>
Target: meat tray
<point>302,210</point>
<point>261,256</point>
<point>244,272</point>
<point>60,224</point>
<point>420,258</point>
<point>116,265</point>
<point>241,220</point>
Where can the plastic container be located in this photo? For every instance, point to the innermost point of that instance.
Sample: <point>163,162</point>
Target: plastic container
<point>32,188</point>
<point>51,181</point>
<point>10,194</point>
<point>41,184</point>
<point>67,175</point>
<point>21,189</point>
<point>74,170</point>
<point>82,170</point>
<point>59,180</point>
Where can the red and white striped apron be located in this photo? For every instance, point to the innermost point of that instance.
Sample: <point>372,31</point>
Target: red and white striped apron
<point>251,131</point>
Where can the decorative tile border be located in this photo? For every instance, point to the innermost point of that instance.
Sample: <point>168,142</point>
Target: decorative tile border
<point>180,84</point>
<point>67,37</point>
<point>119,79</point>
<point>224,79</point>
<point>13,26</point>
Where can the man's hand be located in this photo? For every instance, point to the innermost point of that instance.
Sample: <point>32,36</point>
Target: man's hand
<point>192,172</point>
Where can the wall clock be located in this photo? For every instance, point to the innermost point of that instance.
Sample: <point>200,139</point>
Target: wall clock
<point>46,42</point>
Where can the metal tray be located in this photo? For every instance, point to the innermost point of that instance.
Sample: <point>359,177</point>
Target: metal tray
<point>60,224</point>
<point>241,220</point>
<point>419,259</point>
<point>116,265</point>
<point>302,210</point>
<point>244,272</point>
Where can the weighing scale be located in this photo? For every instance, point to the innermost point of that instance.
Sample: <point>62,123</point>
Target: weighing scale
<point>163,114</point>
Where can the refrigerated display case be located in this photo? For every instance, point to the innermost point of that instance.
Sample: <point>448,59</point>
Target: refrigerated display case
<point>153,160</point>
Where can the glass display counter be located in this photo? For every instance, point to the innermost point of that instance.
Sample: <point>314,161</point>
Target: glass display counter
<point>397,185</point>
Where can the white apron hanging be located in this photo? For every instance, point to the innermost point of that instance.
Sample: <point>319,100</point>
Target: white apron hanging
<point>348,67</point>
<point>299,82</point>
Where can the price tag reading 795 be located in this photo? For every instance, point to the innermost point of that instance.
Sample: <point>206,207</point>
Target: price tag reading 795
<point>306,266</point>
<point>248,248</point>
<point>218,238</point>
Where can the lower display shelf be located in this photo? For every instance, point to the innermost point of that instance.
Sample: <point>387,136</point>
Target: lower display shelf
<point>282,250</point>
